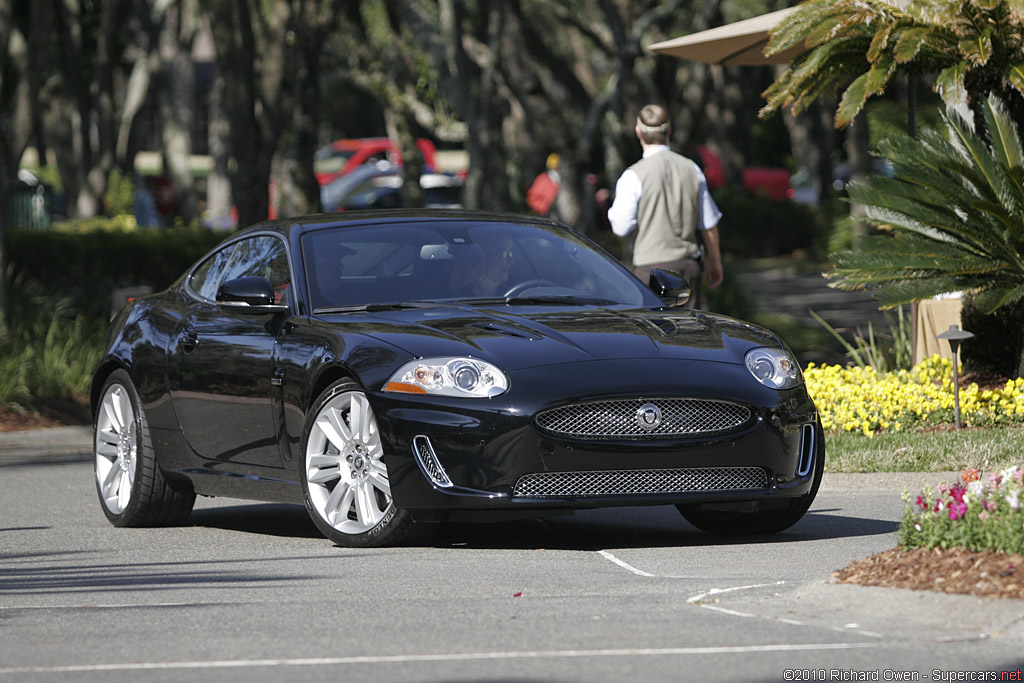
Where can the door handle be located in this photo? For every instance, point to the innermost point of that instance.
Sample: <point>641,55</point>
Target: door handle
<point>189,340</point>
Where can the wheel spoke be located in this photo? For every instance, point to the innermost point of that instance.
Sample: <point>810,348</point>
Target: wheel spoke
<point>112,411</point>
<point>334,428</point>
<point>124,490</point>
<point>366,505</point>
<point>378,477</point>
<point>123,408</point>
<point>109,484</point>
<point>360,418</point>
<point>323,475</point>
<point>337,506</point>
<point>106,445</point>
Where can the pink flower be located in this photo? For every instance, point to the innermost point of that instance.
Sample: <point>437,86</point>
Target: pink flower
<point>922,503</point>
<point>958,492</point>
<point>983,515</point>
<point>957,510</point>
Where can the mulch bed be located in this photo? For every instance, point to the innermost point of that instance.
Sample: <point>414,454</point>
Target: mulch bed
<point>988,574</point>
<point>16,418</point>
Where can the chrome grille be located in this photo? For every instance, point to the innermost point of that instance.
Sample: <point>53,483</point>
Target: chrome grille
<point>617,419</point>
<point>632,482</point>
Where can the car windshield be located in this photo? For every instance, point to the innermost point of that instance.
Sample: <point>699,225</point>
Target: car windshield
<point>465,262</point>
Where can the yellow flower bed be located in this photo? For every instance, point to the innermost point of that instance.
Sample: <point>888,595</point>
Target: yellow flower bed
<point>854,399</point>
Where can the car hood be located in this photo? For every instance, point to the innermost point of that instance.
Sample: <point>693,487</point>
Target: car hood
<point>517,337</point>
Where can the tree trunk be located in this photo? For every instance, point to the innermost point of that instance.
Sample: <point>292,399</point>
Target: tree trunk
<point>177,103</point>
<point>250,46</point>
<point>22,64</point>
<point>858,142</point>
<point>218,183</point>
<point>397,126</point>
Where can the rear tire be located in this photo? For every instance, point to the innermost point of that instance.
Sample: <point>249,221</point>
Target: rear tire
<point>344,481</point>
<point>768,521</point>
<point>132,490</point>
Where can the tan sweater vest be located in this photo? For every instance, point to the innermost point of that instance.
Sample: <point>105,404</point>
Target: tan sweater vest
<point>668,216</point>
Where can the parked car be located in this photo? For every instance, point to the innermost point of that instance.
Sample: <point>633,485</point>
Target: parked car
<point>392,369</point>
<point>378,186</point>
<point>805,190</point>
<point>768,181</point>
<point>342,157</point>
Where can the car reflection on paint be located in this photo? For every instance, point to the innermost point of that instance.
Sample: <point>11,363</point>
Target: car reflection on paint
<point>390,370</point>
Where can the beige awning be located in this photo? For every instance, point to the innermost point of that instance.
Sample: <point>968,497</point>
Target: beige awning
<point>740,43</point>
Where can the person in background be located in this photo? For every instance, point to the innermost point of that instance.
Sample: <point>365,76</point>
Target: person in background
<point>665,198</point>
<point>542,193</point>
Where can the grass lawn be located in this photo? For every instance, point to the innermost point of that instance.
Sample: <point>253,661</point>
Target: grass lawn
<point>983,448</point>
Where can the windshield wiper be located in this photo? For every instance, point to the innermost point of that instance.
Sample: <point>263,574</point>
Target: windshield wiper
<point>375,307</point>
<point>561,300</point>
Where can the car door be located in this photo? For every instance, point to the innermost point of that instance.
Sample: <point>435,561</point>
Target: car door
<point>221,370</point>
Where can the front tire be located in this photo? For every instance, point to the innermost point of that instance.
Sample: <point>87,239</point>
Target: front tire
<point>132,490</point>
<point>345,482</point>
<point>769,521</point>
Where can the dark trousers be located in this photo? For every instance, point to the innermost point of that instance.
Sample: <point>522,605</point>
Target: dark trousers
<point>690,269</point>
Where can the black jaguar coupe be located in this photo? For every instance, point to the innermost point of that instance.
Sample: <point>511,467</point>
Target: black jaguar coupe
<point>389,370</point>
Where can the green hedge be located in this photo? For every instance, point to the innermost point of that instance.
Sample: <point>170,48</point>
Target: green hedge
<point>86,263</point>
<point>753,226</point>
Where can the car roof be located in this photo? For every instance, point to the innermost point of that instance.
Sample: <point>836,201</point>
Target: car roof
<point>288,226</point>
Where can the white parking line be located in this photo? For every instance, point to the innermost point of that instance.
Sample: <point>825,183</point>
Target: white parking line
<point>451,657</point>
<point>608,556</point>
<point>718,591</point>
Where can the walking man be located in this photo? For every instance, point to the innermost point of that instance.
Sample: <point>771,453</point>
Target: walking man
<point>665,198</point>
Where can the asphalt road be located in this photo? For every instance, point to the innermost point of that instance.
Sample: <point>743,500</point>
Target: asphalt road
<point>251,592</point>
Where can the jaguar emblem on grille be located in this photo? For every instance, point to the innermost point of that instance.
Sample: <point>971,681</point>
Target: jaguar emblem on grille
<point>648,416</point>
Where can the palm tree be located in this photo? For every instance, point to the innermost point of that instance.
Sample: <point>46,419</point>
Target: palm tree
<point>951,219</point>
<point>975,47</point>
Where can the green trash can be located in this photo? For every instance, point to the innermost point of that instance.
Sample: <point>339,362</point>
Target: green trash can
<point>28,206</point>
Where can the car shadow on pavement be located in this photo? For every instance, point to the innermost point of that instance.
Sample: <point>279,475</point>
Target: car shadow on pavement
<point>271,519</point>
<point>637,527</point>
<point>645,527</point>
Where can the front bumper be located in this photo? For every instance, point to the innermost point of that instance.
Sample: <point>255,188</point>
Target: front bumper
<point>489,454</point>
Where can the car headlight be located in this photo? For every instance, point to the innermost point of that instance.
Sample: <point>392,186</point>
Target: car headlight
<point>463,377</point>
<point>775,368</point>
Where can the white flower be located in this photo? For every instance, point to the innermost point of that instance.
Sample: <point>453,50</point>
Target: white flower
<point>976,488</point>
<point>1013,499</point>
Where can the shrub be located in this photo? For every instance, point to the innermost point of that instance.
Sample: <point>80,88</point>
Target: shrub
<point>861,399</point>
<point>754,227</point>
<point>84,261</point>
<point>978,513</point>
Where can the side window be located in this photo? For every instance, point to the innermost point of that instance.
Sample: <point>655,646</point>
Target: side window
<point>207,277</point>
<point>262,256</point>
<point>265,257</point>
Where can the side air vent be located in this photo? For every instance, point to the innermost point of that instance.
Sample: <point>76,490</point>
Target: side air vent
<point>808,446</point>
<point>423,451</point>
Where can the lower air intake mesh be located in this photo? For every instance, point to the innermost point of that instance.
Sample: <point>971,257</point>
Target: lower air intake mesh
<point>632,482</point>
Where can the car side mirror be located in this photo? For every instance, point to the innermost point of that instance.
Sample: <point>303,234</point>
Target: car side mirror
<point>250,293</point>
<point>671,287</point>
